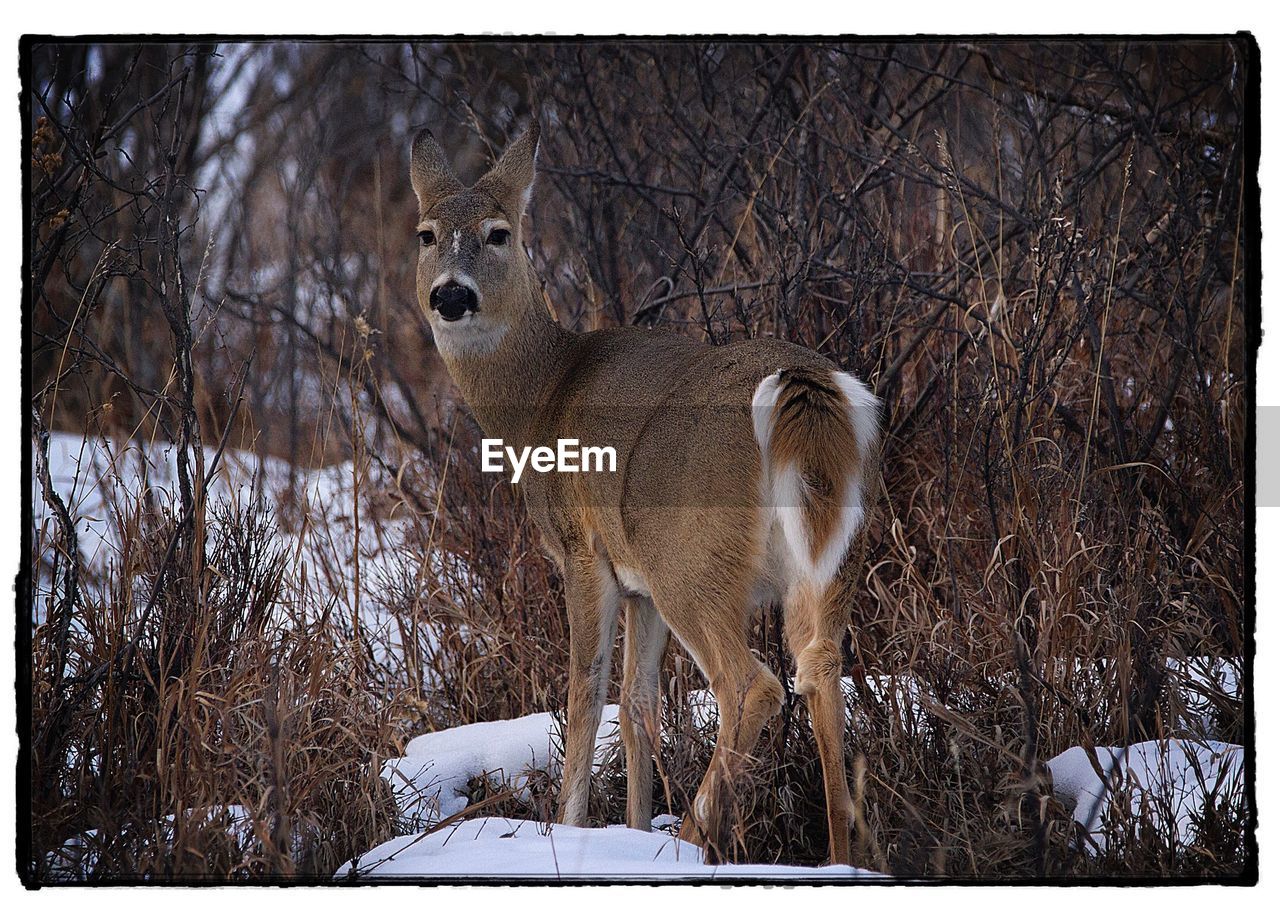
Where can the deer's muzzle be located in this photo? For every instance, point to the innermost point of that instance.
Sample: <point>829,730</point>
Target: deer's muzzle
<point>452,301</point>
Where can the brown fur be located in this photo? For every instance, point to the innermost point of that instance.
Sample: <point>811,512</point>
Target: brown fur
<point>679,533</point>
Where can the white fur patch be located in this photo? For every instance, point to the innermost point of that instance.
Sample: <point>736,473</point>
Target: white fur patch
<point>701,809</point>
<point>762,403</point>
<point>864,408</point>
<point>780,490</point>
<point>473,336</point>
<point>631,580</point>
<point>457,278</point>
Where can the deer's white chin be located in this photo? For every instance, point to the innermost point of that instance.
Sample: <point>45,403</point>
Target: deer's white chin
<point>471,335</point>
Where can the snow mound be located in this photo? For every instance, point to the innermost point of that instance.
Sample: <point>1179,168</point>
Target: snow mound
<point>432,780</point>
<point>1170,783</point>
<point>502,848</point>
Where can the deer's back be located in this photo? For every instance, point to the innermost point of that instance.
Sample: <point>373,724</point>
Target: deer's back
<point>678,413</point>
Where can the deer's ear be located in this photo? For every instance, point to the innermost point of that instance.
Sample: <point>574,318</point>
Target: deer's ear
<point>429,171</point>
<point>510,181</point>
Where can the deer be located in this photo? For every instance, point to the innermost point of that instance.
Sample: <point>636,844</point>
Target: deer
<point>746,477</point>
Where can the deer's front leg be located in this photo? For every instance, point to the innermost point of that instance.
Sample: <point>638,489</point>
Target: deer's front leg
<point>591,598</point>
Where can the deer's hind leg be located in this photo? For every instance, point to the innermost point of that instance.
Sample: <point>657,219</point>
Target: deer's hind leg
<point>747,695</point>
<point>640,713</point>
<point>815,620</point>
<point>591,599</point>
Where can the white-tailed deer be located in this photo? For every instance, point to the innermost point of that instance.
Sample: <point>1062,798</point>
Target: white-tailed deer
<point>745,474</point>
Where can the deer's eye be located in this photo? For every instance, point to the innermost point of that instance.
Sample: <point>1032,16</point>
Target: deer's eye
<point>498,236</point>
<point>427,237</point>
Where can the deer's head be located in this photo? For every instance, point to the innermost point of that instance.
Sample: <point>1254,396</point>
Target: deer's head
<point>473,276</point>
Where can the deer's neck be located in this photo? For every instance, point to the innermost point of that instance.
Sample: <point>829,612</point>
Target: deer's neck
<point>507,387</point>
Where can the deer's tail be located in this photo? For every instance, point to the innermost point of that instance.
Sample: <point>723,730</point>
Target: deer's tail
<point>819,436</point>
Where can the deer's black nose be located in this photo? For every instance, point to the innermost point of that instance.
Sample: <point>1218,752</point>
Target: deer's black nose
<point>452,301</point>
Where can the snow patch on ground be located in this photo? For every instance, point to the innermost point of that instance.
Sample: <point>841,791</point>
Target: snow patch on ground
<point>499,847</point>
<point>1168,782</point>
<point>432,780</point>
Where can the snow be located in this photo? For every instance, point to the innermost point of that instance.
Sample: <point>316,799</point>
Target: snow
<point>1169,781</point>
<point>503,848</point>
<point>432,780</point>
